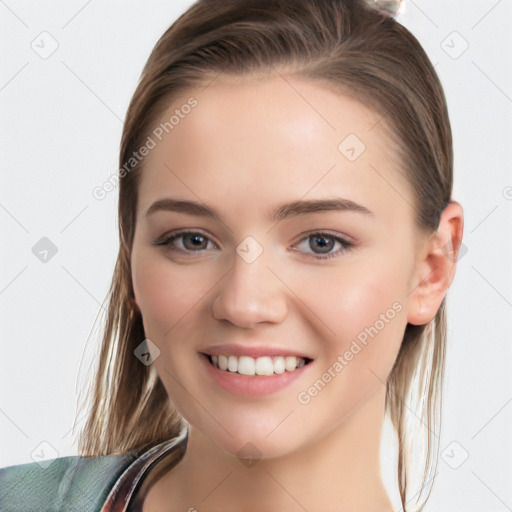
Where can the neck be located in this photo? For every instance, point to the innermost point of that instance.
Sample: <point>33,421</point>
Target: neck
<point>339,471</point>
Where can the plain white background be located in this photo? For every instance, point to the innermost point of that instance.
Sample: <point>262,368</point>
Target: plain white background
<point>68,73</point>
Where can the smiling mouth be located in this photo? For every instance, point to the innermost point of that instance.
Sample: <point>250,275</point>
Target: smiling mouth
<point>257,366</point>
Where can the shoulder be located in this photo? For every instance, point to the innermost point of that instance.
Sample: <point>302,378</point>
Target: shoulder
<point>73,483</point>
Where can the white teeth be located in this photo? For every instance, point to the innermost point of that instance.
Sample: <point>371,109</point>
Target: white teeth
<point>223,362</point>
<point>232,363</point>
<point>279,365</point>
<point>266,365</point>
<point>246,365</point>
<point>290,363</point>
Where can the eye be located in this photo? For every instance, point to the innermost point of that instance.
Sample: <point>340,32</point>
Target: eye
<point>189,241</point>
<point>325,242</point>
<point>197,242</point>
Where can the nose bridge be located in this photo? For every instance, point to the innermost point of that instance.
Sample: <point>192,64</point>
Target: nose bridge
<point>250,293</point>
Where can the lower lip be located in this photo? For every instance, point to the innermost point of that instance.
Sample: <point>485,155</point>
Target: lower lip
<point>252,385</point>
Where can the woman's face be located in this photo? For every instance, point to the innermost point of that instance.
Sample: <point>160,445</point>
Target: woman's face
<point>258,271</point>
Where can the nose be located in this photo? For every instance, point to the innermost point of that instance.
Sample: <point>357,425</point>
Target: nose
<point>250,294</point>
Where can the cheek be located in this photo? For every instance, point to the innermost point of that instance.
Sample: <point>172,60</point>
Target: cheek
<point>362,310</point>
<point>165,292</point>
<point>363,320</point>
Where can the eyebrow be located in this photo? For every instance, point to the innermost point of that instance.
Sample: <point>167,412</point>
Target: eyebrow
<point>285,211</point>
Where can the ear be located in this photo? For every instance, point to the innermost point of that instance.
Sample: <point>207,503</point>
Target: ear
<point>436,265</point>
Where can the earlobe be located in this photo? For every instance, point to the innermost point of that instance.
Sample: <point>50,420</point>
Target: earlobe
<point>436,266</point>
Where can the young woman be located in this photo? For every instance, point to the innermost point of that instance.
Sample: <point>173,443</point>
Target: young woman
<point>287,241</point>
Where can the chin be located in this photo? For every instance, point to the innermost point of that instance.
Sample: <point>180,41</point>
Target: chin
<point>250,442</point>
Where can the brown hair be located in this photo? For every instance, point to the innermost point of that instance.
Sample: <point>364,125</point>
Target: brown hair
<point>347,45</point>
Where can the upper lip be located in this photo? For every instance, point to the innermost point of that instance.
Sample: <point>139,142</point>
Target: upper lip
<point>252,351</point>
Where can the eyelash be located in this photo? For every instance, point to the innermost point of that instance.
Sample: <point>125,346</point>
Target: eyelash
<point>346,245</point>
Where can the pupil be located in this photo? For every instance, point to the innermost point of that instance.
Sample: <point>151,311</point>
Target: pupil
<point>323,245</point>
<point>195,239</point>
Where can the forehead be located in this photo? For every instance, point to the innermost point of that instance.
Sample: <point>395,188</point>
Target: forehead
<point>273,138</point>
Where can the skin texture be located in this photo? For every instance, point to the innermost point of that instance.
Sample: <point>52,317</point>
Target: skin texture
<point>245,149</point>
